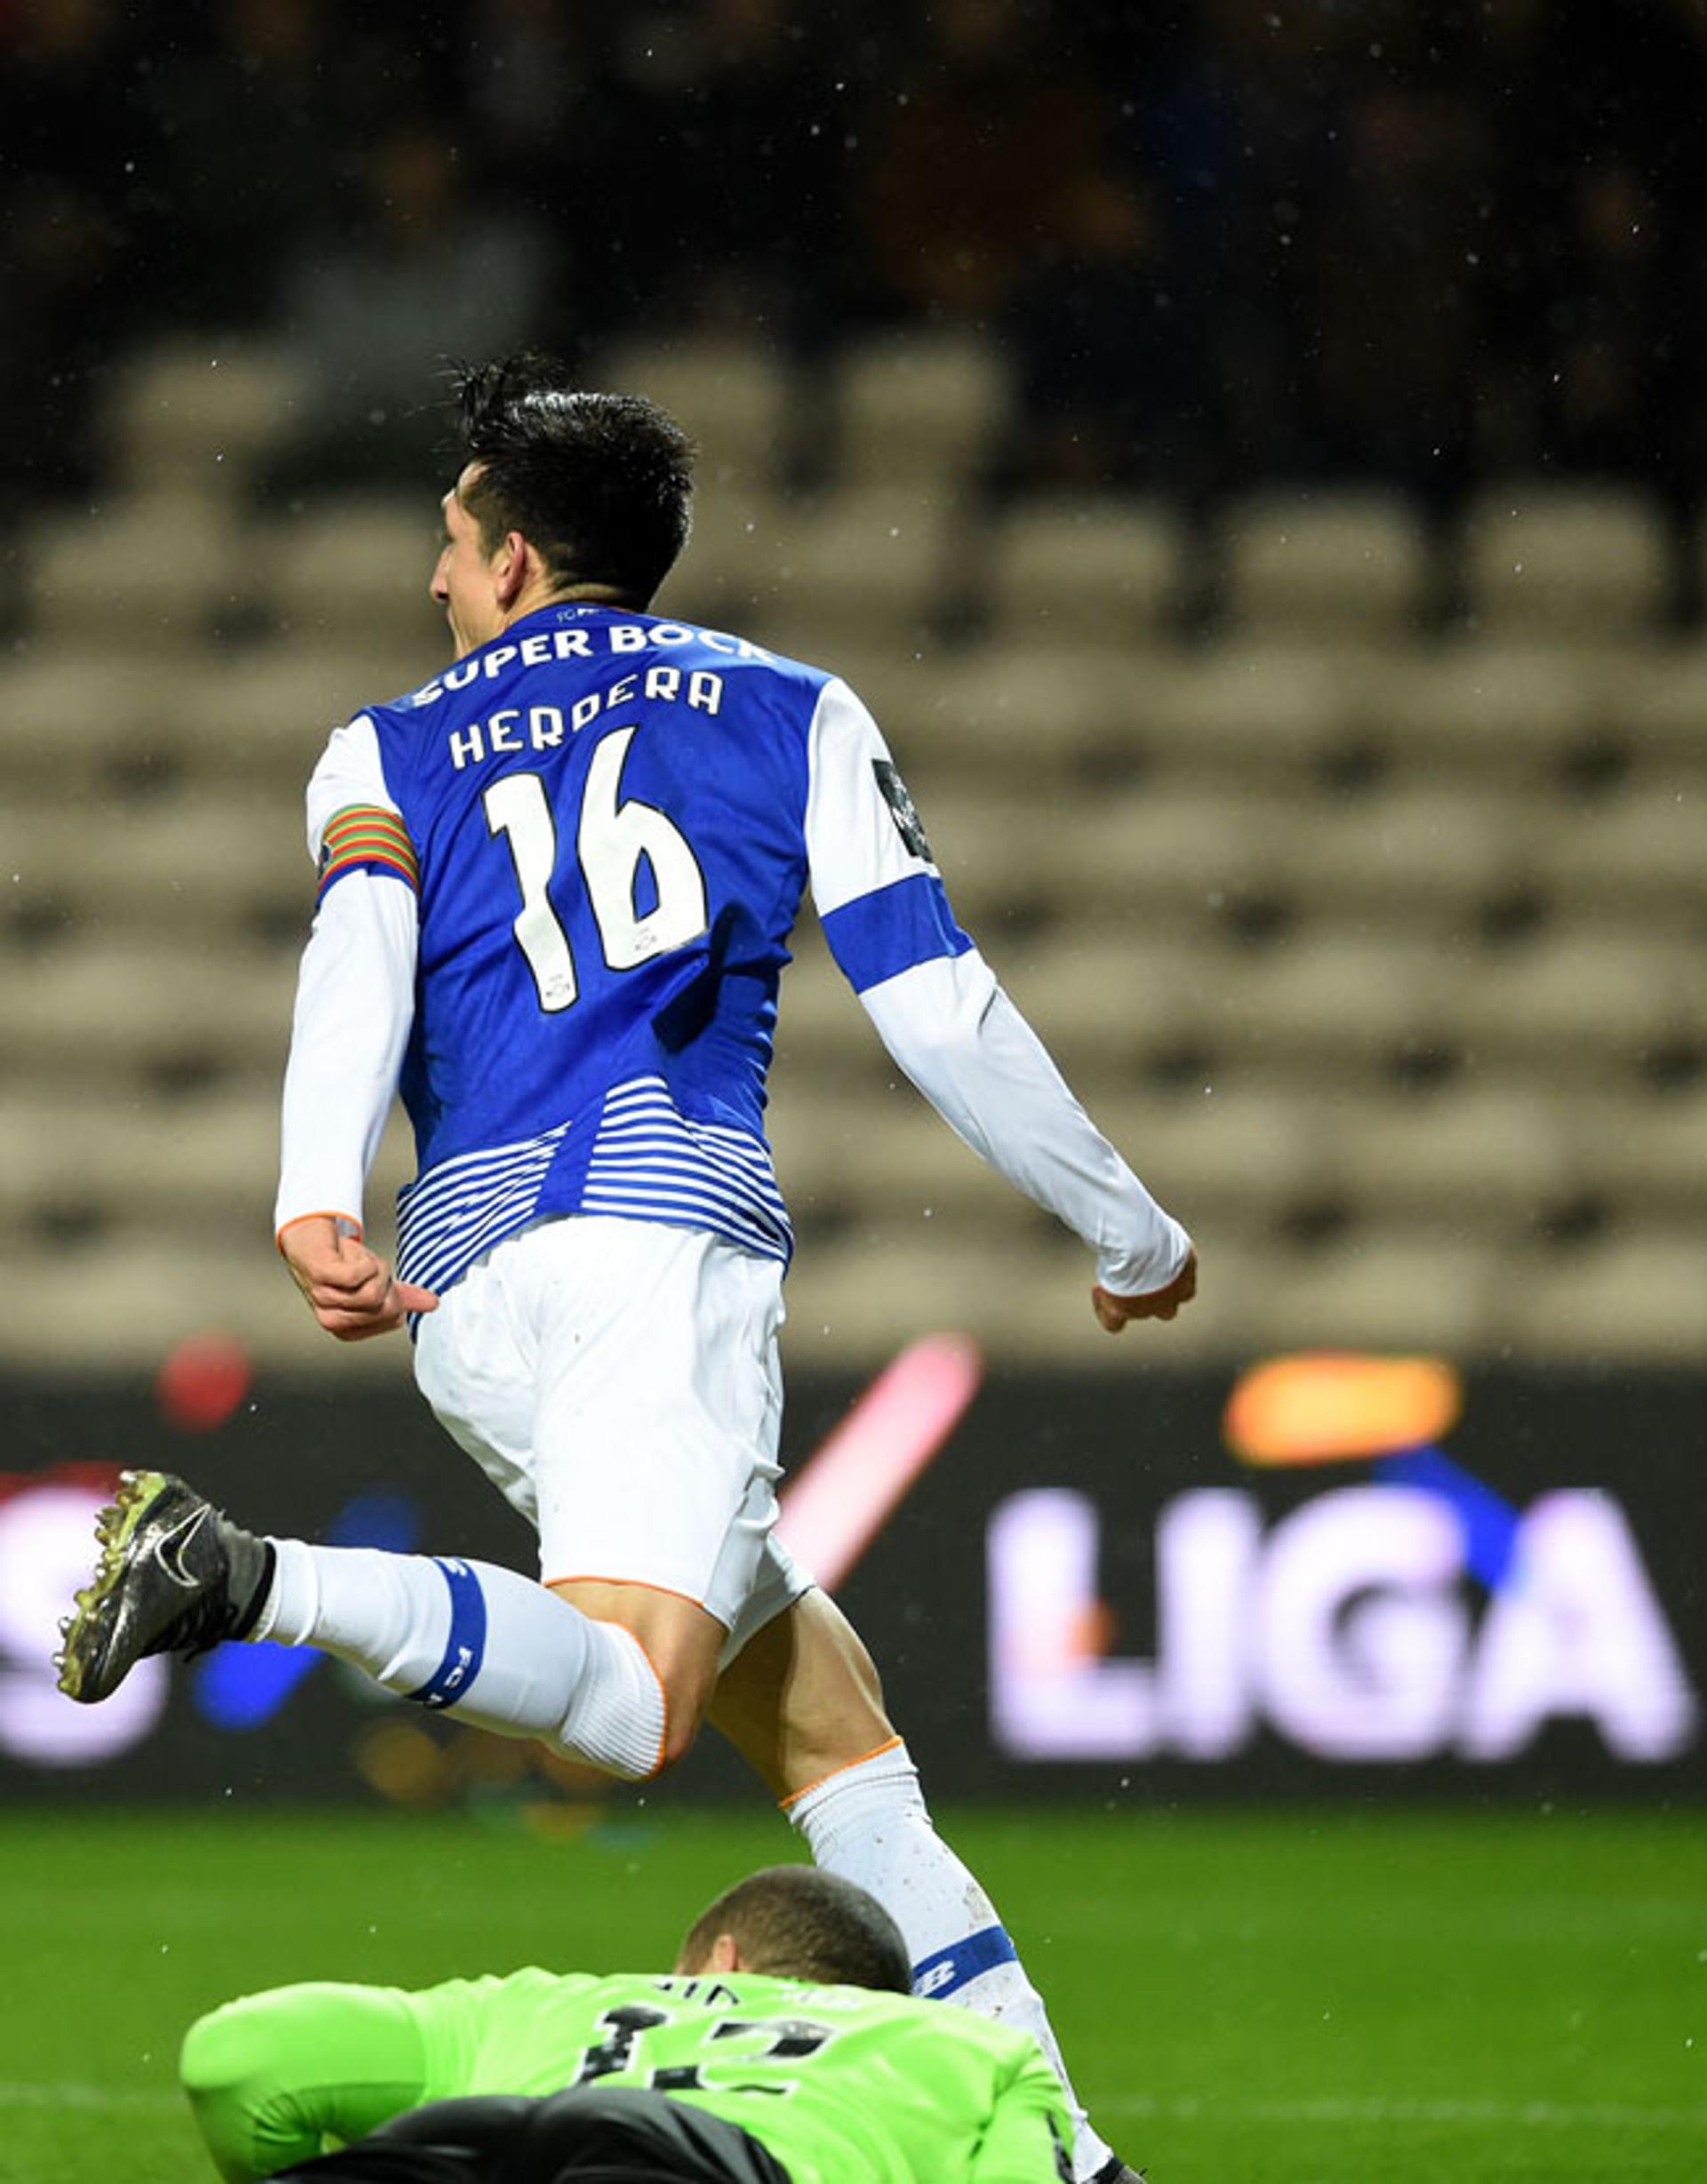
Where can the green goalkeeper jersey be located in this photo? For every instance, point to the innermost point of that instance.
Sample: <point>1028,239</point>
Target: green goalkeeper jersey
<point>839,2083</point>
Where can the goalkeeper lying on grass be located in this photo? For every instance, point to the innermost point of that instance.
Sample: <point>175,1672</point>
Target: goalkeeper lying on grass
<point>784,2048</point>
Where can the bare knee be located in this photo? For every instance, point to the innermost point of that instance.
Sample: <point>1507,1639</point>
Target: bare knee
<point>685,1700</point>
<point>680,1641</point>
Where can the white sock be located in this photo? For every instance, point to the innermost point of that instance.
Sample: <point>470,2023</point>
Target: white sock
<point>501,1651</point>
<point>868,1822</point>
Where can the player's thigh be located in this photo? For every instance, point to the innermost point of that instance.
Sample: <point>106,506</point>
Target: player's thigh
<point>802,1698</point>
<point>658,1410</point>
<point>619,1381</point>
<point>475,1363</point>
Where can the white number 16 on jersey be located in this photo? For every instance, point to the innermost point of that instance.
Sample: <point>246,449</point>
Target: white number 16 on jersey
<point>612,839</point>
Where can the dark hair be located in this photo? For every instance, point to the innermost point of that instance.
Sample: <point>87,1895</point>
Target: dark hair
<point>798,1922</point>
<point>600,485</point>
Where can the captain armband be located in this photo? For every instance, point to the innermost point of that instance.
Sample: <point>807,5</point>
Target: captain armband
<point>366,838</point>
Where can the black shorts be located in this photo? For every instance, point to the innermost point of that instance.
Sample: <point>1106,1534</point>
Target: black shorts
<point>589,2134</point>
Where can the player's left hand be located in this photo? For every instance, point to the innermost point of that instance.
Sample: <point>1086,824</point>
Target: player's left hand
<point>349,1289</point>
<point>1113,1310</point>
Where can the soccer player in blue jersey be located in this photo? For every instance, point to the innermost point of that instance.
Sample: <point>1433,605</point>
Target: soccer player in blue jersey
<point>556,885</point>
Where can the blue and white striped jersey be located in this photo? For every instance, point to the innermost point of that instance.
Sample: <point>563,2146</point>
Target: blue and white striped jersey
<point>608,820</point>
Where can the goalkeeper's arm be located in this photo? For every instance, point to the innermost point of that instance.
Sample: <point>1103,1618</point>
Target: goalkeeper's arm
<point>277,2078</point>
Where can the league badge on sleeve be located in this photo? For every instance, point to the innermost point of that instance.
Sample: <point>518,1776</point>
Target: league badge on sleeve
<point>904,811</point>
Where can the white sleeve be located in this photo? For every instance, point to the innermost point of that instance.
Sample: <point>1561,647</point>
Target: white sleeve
<point>880,898</point>
<point>859,838</point>
<point>350,771</point>
<point>956,1034</point>
<point>355,1004</point>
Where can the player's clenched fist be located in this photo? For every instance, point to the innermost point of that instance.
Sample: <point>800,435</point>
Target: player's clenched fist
<point>349,1288</point>
<point>1114,1311</point>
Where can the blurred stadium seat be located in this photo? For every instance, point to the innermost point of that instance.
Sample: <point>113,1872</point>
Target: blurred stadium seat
<point>131,1293</point>
<point>867,561</point>
<point>133,1012</point>
<point>1394,1291</point>
<point>1023,714</point>
<point>1643,850</point>
<point>172,1164</point>
<point>356,568</point>
<point>262,714</point>
<point>1321,563</point>
<point>213,857</point>
<point>1239,1155</point>
<point>919,409</point>
<point>1630,1298</point>
<point>1485,708</point>
<point>1427,854</point>
<point>1497,1147</point>
<point>80,722</point>
<point>1340,1002</point>
<point>1640,1154</point>
<point>1585,998</point>
<point>1660,701</point>
<point>1094,571</point>
<point>201,412</point>
<point>1149,856</point>
<point>1573,563</point>
<point>1263,712</point>
<point>163,569</point>
<point>730,572</point>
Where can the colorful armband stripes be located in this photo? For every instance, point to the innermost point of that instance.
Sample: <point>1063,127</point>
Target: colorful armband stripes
<point>365,837</point>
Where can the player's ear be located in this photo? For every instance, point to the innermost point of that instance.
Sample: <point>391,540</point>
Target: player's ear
<point>724,1955</point>
<point>510,568</point>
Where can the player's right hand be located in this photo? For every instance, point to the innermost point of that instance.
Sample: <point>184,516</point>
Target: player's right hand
<point>1114,1310</point>
<point>349,1289</point>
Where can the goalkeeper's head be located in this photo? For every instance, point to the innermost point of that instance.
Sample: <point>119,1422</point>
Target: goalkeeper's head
<point>798,1922</point>
<point>598,485</point>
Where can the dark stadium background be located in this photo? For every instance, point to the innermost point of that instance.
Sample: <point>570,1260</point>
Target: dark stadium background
<point>1251,456</point>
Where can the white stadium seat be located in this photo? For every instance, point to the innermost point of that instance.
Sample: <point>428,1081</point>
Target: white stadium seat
<point>160,570</point>
<point>1573,563</point>
<point>1094,571</point>
<point>128,1009</point>
<point>1259,711</point>
<point>355,568</point>
<point>1637,1298</point>
<point>1324,564</point>
<point>200,411</point>
<point>1583,998</point>
<point>869,560</point>
<point>919,409</point>
<point>1478,708</point>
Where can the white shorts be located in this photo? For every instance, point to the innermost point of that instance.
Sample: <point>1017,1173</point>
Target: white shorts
<point>618,1381</point>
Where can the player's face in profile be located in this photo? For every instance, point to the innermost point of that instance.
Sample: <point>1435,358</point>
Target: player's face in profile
<point>463,580</point>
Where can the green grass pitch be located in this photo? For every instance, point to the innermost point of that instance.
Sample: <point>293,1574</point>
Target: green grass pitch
<point>1289,1997</point>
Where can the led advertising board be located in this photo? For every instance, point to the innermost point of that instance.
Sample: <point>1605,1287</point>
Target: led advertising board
<point>1321,1575</point>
